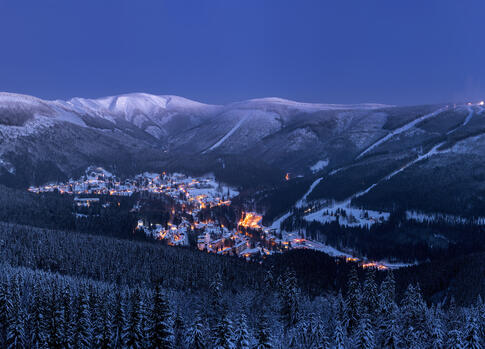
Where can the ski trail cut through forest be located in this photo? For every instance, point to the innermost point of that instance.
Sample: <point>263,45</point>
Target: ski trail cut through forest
<point>302,201</point>
<point>430,153</point>
<point>400,130</point>
<point>227,135</point>
<point>469,116</point>
<point>276,224</point>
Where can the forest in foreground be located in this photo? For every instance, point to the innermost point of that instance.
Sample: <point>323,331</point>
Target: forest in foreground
<point>71,290</point>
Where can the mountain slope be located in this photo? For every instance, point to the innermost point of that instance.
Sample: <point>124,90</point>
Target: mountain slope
<point>353,147</point>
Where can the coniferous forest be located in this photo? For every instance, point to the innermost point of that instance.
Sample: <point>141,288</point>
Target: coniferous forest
<point>242,174</point>
<point>69,290</point>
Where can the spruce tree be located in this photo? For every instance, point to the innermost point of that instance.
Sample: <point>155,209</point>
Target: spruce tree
<point>68,317</point>
<point>16,318</point>
<point>370,295</point>
<point>215,301</point>
<point>339,336</point>
<point>119,320</point>
<point>471,336</point>
<point>195,337</point>
<point>365,333</point>
<point>5,309</point>
<point>55,324</point>
<point>36,318</point>
<point>320,338</point>
<point>353,300</point>
<point>263,334</point>
<point>161,329</point>
<point>133,334</point>
<point>290,294</point>
<point>83,332</point>
<point>241,333</point>
<point>104,337</point>
<point>223,334</point>
<point>179,329</point>
<point>455,339</point>
<point>436,328</point>
<point>390,329</point>
<point>94,310</point>
<point>387,322</point>
<point>413,315</point>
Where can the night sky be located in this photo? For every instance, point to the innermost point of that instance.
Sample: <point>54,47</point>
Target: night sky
<point>396,52</point>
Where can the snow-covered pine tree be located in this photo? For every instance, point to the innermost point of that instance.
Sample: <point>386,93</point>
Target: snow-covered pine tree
<point>263,333</point>
<point>339,335</point>
<point>104,338</point>
<point>241,333</point>
<point>436,327</point>
<point>370,295</point>
<point>161,324</point>
<point>223,336</point>
<point>83,336</point>
<point>390,330</point>
<point>386,324</point>
<point>353,301</point>
<point>179,329</point>
<point>5,308</point>
<point>290,294</point>
<point>16,317</point>
<point>480,306</point>
<point>413,311</point>
<point>55,320</point>
<point>387,290</point>
<point>216,305</point>
<point>364,336</point>
<point>455,339</point>
<point>341,313</point>
<point>321,340</point>
<point>268,281</point>
<point>94,310</point>
<point>133,334</point>
<point>195,337</point>
<point>119,320</point>
<point>36,318</point>
<point>471,332</point>
<point>69,318</point>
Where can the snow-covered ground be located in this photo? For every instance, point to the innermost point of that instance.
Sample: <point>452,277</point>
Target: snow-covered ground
<point>319,165</point>
<point>353,217</point>
<point>298,242</point>
<point>433,217</point>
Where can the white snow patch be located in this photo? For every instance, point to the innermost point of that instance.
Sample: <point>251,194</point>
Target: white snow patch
<point>319,165</point>
<point>354,217</point>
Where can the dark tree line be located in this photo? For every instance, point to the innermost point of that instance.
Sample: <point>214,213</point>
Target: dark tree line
<point>46,310</point>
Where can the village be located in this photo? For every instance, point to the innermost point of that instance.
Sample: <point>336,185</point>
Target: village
<point>247,238</point>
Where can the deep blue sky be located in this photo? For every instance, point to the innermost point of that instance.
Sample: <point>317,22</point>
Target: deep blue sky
<point>217,51</point>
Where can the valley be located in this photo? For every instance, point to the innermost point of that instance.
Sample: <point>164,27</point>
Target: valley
<point>193,214</point>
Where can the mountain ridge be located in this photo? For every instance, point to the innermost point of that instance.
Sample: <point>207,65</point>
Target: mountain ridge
<point>249,143</point>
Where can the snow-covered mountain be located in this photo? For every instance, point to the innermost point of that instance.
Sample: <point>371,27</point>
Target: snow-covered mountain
<point>253,141</point>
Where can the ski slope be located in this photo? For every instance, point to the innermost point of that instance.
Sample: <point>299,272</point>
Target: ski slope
<point>302,201</point>
<point>227,135</point>
<point>469,116</point>
<point>400,130</point>
<point>427,155</point>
